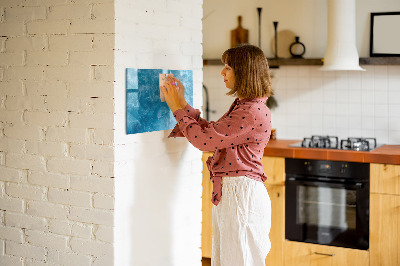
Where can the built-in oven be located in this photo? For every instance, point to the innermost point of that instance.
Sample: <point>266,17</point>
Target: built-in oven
<point>327,202</point>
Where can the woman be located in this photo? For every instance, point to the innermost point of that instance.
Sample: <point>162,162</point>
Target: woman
<point>242,208</point>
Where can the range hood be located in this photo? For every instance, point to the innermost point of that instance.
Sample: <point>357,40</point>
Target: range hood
<point>341,51</point>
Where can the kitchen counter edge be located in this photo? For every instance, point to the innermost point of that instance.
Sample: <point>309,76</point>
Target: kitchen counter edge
<point>385,154</point>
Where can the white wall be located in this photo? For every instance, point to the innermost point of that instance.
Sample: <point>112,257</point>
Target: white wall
<point>344,103</point>
<point>56,132</point>
<point>158,180</point>
<point>305,18</point>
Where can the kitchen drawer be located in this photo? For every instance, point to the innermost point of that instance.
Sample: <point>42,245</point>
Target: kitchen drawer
<point>305,254</point>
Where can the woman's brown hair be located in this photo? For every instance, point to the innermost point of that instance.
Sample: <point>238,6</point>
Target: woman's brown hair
<point>250,66</point>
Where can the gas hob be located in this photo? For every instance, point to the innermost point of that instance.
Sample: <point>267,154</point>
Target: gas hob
<point>332,142</point>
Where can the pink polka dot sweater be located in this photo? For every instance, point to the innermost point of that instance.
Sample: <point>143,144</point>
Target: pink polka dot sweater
<point>238,139</point>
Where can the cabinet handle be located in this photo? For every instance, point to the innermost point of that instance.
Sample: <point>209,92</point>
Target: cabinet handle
<point>324,254</point>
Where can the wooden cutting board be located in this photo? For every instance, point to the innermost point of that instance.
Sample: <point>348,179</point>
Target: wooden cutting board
<point>239,35</point>
<point>285,39</point>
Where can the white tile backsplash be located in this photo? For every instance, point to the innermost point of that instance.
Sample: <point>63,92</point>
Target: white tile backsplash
<point>368,123</point>
<point>381,110</point>
<point>354,83</point>
<point>381,83</point>
<point>381,71</point>
<point>342,123</point>
<point>367,97</point>
<point>329,109</point>
<point>342,109</point>
<point>394,124</point>
<point>304,82</point>
<point>393,71</point>
<point>394,96</point>
<point>367,110</point>
<point>381,97</point>
<point>382,136</point>
<point>343,103</point>
<point>393,110</point>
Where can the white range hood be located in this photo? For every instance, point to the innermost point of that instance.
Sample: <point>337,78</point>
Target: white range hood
<point>341,51</point>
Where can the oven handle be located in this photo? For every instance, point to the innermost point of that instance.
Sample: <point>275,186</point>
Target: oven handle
<point>357,185</point>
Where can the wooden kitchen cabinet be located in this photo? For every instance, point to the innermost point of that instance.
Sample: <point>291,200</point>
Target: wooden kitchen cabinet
<point>384,237</point>
<point>206,225</point>
<point>277,233</point>
<point>305,254</point>
<point>385,178</point>
<point>274,168</point>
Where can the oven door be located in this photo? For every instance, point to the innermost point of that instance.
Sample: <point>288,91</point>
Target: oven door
<point>327,213</point>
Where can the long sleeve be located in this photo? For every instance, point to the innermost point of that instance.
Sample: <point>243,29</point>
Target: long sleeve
<point>231,130</point>
<point>193,113</point>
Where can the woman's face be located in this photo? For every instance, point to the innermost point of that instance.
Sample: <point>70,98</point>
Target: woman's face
<point>229,76</point>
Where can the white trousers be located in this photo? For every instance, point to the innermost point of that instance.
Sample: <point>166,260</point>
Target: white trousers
<point>241,223</point>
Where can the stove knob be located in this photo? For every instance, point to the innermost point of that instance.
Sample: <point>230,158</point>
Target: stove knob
<point>308,166</point>
<point>343,168</point>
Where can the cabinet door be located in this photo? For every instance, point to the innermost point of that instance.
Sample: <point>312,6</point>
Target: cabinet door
<point>384,229</point>
<point>304,254</point>
<point>274,168</point>
<point>277,233</point>
<point>385,178</point>
<point>206,226</point>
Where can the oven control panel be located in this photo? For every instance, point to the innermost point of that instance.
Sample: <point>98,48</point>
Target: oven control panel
<point>338,169</point>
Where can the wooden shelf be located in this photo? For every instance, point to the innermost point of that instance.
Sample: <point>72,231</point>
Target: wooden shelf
<point>380,61</point>
<point>274,63</point>
<point>212,62</point>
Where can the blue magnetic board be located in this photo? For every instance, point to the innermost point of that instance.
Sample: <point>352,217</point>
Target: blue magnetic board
<point>144,110</point>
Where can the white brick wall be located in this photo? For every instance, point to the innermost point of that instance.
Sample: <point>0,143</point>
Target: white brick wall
<point>156,178</point>
<point>62,138</point>
<point>25,221</point>
<point>56,132</point>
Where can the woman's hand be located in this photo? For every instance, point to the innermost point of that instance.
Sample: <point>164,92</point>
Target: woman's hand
<point>172,94</point>
<point>181,91</point>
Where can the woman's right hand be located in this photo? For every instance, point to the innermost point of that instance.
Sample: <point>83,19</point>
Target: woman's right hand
<point>181,91</point>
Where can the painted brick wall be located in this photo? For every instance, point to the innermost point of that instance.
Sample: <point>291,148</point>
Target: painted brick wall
<point>158,180</point>
<point>56,132</point>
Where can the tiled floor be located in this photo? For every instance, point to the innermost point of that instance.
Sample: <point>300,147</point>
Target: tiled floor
<point>206,261</point>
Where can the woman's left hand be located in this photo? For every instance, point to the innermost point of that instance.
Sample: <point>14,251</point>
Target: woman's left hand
<point>171,95</point>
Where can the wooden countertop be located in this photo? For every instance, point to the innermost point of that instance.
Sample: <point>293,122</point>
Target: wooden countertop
<point>389,154</point>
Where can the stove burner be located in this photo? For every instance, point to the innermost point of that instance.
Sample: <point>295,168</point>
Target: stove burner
<point>358,144</point>
<point>328,142</point>
<point>332,142</point>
